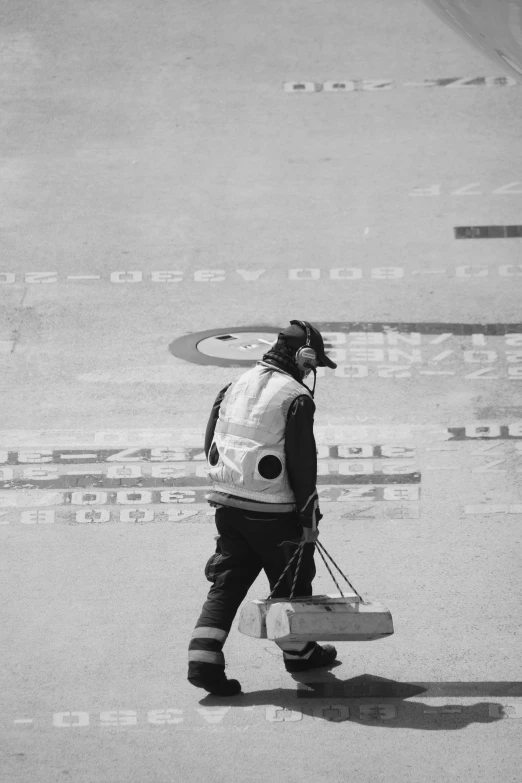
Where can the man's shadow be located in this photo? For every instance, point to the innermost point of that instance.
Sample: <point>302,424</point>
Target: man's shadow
<point>372,700</point>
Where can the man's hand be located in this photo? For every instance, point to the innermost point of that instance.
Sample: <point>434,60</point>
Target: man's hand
<point>310,535</point>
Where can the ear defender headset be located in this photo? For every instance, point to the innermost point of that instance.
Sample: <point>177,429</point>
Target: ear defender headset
<point>306,357</point>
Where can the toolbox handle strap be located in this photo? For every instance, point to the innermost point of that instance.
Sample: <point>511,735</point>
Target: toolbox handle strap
<point>299,551</point>
<point>321,547</point>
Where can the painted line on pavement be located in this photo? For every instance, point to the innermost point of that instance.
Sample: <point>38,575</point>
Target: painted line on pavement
<point>175,454</point>
<point>509,189</point>
<point>384,85</point>
<point>197,513</point>
<point>488,232</point>
<point>498,508</point>
<point>176,438</point>
<point>48,477</point>
<point>201,718</point>
<point>145,497</point>
<point>257,276</point>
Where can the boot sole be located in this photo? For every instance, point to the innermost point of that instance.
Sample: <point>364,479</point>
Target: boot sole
<point>215,690</point>
<point>300,666</point>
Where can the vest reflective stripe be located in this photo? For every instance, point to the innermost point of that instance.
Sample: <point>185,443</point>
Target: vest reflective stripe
<point>205,656</point>
<point>251,426</point>
<point>240,430</point>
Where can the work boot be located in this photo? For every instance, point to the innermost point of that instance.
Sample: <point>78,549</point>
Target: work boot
<point>223,687</point>
<point>320,656</point>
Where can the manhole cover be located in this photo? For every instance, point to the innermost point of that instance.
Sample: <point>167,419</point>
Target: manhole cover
<point>240,346</point>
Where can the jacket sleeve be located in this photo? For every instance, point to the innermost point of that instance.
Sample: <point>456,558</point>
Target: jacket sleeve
<point>301,460</point>
<point>211,424</point>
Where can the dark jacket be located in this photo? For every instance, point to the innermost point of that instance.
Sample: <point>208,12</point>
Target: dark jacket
<point>301,461</point>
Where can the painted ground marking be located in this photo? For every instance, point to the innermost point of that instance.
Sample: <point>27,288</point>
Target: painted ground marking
<point>346,274</point>
<point>42,443</point>
<point>351,473</point>
<point>375,349</point>
<point>331,710</point>
<point>380,85</point>
<point>83,277</point>
<point>187,454</point>
<point>510,189</point>
<point>139,477</point>
<point>499,508</point>
<point>487,232</point>
<point>361,463</point>
<point>198,512</point>
<point>175,437</point>
<point>110,492</point>
<point>139,497</point>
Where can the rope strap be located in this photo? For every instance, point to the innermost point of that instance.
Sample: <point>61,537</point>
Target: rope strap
<point>321,549</point>
<point>329,571</point>
<point>299,551</point>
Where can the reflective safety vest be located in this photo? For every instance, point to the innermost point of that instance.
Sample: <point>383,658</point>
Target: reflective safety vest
<point>247,455</point>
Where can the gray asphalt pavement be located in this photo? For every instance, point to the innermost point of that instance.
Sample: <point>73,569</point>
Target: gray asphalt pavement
<point>173,176</point>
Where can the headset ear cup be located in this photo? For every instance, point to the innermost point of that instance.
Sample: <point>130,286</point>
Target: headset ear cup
<point>306,357</point>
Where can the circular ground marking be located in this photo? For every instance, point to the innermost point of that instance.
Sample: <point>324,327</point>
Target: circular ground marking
<point>239,346</point>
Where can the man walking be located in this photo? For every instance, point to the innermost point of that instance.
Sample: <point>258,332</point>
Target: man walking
<point>262,460</point>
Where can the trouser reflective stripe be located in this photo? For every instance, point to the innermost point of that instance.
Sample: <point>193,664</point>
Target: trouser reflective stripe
<point>204,632</point>
<point>206,661</point>
<point>205,656</point>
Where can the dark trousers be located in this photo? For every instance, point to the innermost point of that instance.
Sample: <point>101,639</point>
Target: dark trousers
<point>248,542</point>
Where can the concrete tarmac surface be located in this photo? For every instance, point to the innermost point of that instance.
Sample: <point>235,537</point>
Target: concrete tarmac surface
<point>178,182</point>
